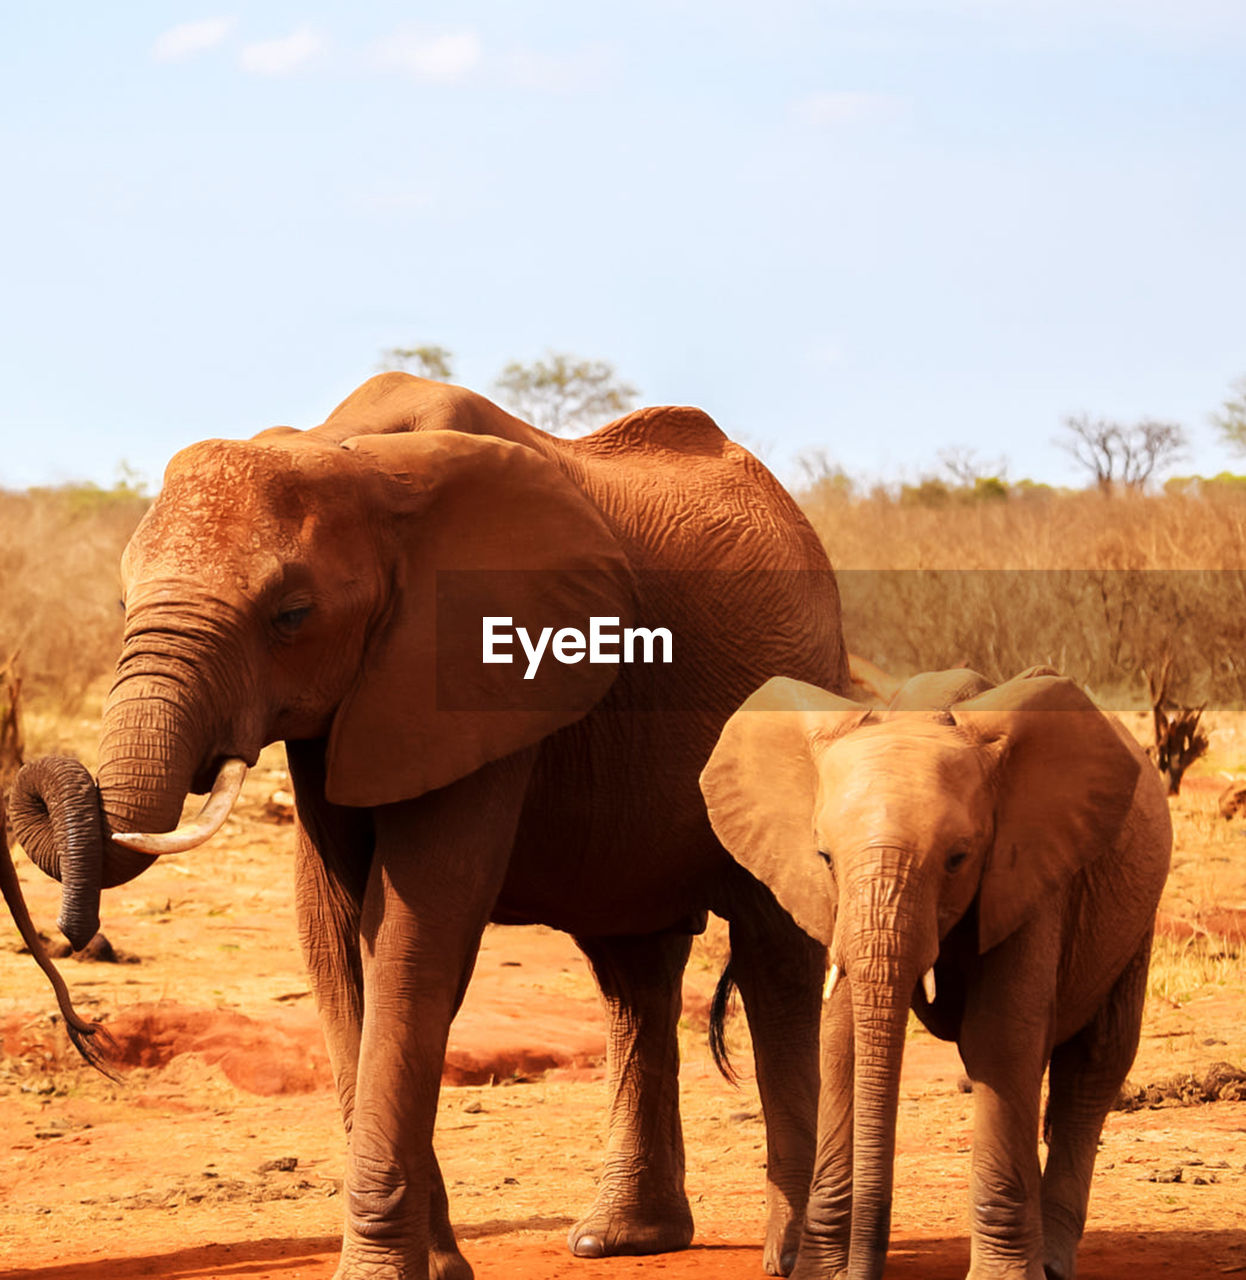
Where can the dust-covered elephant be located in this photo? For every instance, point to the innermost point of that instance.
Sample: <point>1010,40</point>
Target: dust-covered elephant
<point>995,864</point>
<point>430,602</point>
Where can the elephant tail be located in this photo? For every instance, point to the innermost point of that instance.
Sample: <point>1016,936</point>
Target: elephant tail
<point>719,1008</point>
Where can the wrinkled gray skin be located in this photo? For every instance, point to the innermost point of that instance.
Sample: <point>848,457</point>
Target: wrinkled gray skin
<point>1015,846</point>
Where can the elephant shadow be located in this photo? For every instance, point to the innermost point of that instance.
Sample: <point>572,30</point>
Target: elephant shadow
<point>1106,1255</point>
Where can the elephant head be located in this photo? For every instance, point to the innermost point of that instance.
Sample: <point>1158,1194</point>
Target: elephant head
<point>878,831</point>
<point>328,585</point>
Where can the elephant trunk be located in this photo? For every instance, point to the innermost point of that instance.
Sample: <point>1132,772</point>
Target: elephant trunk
<point>886,947</point>
<point>167,728</point>
<point>66,824</point>
<point>89,1038</point>
<point>880,1017</point>
<point>56,818</point>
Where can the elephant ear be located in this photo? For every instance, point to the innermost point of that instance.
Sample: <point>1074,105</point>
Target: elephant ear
<point>760,787</point>
<point>473,527</point>
<point>1065,787</point>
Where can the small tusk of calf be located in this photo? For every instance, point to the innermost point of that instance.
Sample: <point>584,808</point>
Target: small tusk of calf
<point>832,978</point>
<point>928,985</point>
<point>206,823</point>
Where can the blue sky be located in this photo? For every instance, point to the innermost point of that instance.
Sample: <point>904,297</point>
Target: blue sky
<point>877,228</point>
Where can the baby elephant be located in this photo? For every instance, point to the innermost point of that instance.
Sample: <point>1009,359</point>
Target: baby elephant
<point>995,864</point>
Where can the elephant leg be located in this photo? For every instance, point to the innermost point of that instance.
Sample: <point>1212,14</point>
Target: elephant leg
<point>1004,1043</point>
<point>780,970</point>
<point>438,864</point>
<point>828,1217</point>
<point>328,920</point>
<point>641,1206</point>
<point>1086,1075</point>
<point>333,852</point>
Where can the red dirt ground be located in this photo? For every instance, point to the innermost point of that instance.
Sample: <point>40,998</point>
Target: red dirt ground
<point>170,1172</point>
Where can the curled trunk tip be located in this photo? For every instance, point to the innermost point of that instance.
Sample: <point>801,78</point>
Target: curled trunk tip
<point>55,812</point>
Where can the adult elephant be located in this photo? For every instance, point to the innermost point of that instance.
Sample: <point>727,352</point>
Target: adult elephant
<point>993,859</point>
<point>331,588</point>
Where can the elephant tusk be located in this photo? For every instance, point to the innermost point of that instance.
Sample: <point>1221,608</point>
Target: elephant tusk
<point>832,979</point>
<point>928,985</point>
<point>207,823</point>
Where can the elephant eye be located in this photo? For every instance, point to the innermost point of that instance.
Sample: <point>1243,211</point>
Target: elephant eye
<point>955,861</point>
<point>290,620</point>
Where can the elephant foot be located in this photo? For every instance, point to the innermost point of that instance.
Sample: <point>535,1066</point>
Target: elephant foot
<point>782,1242</point>
<point>348,1270</point>
<point>610,1229</point>
<point>1060,1252</point>
<point>1057,1270</point>
<point>1002,1269</point>
<point>441,1265</point>
<point>448,1265</point>
<point>816,1264</point>
<point>779,1262</point>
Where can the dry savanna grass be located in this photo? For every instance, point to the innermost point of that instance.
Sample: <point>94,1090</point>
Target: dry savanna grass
<point>1102,588</point>
<point>59,556</point>
<point>1048,530</point>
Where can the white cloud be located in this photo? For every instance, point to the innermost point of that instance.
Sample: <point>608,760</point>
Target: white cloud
<point>189,38</point>
<point>836,107</point>
<point>280,57</point>
<point>444,58</point>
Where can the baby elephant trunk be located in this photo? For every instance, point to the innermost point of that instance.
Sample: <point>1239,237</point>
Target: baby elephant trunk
<point>886,941</point>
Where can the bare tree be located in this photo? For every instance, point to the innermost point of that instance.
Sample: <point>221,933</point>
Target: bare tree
<point>430,361</point>
<point>962,464</point>
<point>564,393</point>
<point>1121,456</point>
